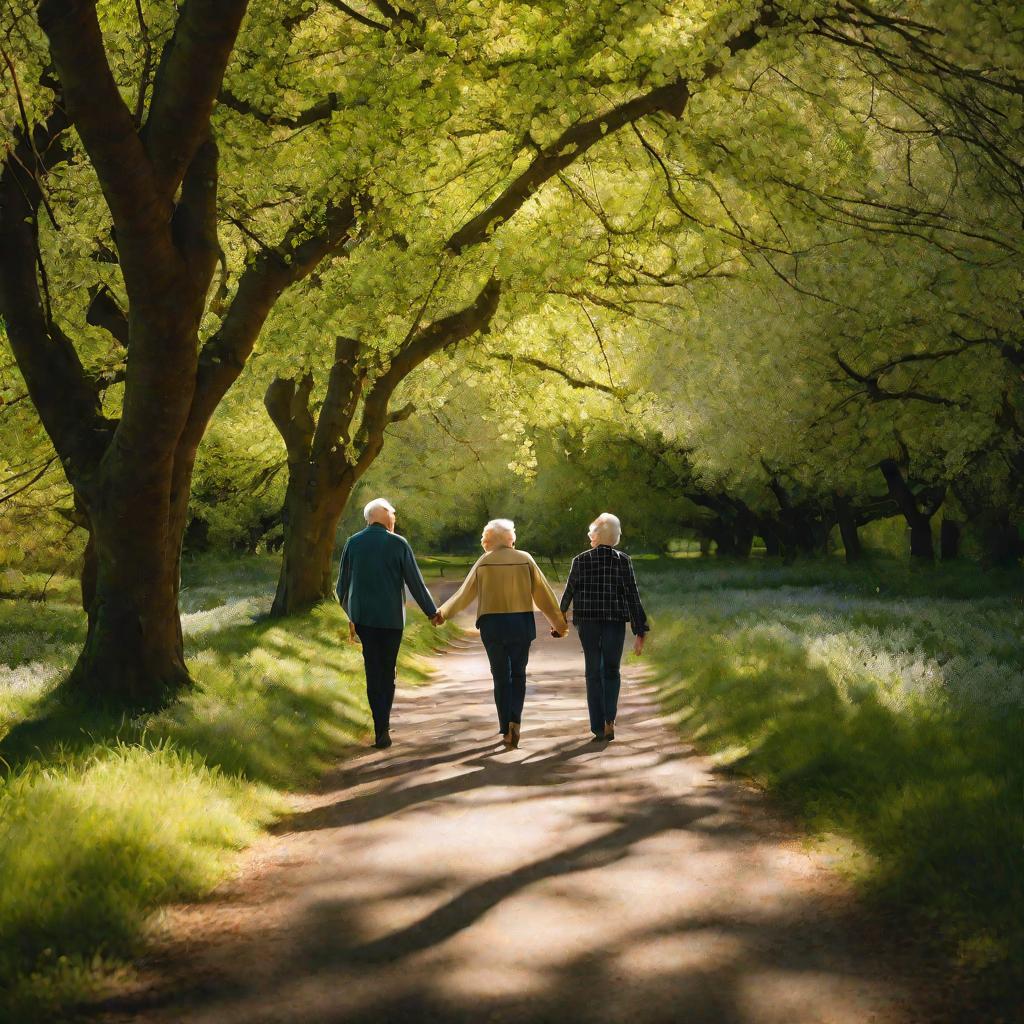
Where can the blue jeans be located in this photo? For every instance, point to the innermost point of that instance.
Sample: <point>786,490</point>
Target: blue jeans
<point>602,642</point>
<point>507,643</point>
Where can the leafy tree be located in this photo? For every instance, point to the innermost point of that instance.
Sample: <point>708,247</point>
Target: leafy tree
<point>375,184</point>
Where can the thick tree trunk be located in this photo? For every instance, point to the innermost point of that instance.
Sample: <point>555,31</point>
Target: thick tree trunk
<point>133,654</point>
<point>1000,539</point>
<point>811,533</point>
<point>922,547</point>
<point>727,543</point>
<point>848,531</point>
<point>743,541</point>
<point>131,580</point>
<point>733,531</point>
<point>949,540</point>
<point>313,507</point>
<point>772,544</point>
<point>306,576</point>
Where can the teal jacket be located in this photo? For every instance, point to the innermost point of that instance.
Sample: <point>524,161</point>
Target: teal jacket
<point>376,566</point>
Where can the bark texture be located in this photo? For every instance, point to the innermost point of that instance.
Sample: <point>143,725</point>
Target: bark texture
<point>132,476</point>
<point>917,509</point>
<point>330,452</point>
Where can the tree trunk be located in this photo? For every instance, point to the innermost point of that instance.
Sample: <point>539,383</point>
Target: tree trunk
<point>1001,543</point>
<point>311,515</point>
<point>772,544</point>
<point>848,530</point>
<point>326,459</point>
<point>725,541</point>
<point>743,541</point>
<point>922,547</point>
<point>949,539</point>
<point>133,654</point>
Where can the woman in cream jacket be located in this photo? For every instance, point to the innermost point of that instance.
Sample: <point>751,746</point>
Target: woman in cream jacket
<point>506,585</point>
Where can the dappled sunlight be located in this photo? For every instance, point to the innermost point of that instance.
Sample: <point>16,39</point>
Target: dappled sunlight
<point>236,612</point>
<point>103,817</point>
<point>450,880</point>
<point>873,719</point>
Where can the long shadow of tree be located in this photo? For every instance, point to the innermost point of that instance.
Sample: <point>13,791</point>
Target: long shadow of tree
<point>932,792</point>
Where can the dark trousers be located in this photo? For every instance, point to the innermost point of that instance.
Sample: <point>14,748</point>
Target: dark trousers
<point>380,655</point>
<point>508,669</point>
<point>507,637</point>
<point>602,642</point>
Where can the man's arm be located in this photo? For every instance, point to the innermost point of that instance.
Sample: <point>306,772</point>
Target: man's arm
<point>570,585</point>
<point>637,615</point>
<point>344,578</point>
<point>414,581</point>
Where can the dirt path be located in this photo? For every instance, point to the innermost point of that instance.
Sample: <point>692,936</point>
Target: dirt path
<point>448,880</point>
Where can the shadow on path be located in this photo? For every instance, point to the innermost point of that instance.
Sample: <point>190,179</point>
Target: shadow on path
<point>449,881</point>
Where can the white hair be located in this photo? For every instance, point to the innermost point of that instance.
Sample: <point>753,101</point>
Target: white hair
<point>606,528</point>
<point>502,527</point>
<point>371,506</point>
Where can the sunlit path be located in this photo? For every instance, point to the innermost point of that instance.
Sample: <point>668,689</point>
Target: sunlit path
<point>448,880</point>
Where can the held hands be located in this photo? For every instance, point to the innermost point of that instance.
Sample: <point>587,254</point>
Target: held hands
<point>638,644</point>
<point>438,619</point>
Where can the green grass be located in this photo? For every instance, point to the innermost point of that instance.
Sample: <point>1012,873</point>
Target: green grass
<point>102,820</point>
<point>884,705</point>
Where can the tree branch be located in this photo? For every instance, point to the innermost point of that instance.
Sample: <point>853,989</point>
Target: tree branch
<point>223,356</point>
<point>194,225</point>
<point>319,111</point>
<point>287,402</point>
<point>104,311</point>
<point>68,403</point>
<point>427,341</point>
<point>672,98</point>
<point>357,16</point>
<point>876,393</point>
<point>187,82</point>
<point>344,389</point>
<point>575,382</point>
<point>140,211</point>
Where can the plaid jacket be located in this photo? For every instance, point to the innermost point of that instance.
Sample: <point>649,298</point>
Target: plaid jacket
<point>602,585</point>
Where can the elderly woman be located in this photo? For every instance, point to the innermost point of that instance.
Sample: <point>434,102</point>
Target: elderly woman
<point>602,591</point>
<point>506,584</point>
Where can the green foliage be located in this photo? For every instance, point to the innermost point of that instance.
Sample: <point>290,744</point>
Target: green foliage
<point>239,482</point>
<point>829,195</point>
<point>102,820</point>
<point>885,707</point>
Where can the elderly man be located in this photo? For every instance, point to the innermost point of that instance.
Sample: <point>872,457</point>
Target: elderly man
<point>506,584</point>
<point>603,593</point>
<point>376,566</point>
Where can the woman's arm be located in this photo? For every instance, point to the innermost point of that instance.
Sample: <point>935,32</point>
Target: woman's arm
<point>570,586</point>
<point>463,597</point>
<point>637,616</point>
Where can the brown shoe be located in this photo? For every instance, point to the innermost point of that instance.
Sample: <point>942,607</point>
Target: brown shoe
<point>512,740</point>
<point>609,730</point>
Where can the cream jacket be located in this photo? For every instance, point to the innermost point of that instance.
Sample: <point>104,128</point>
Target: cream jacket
<point>506,580</point>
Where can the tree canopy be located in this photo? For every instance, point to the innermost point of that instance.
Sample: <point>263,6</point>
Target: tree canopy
<point>772,248</point>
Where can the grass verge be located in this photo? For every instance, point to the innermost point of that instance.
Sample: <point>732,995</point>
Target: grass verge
<point>102,820</point>
<point>883,705</point>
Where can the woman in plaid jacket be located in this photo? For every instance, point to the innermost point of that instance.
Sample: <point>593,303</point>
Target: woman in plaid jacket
<point>603,593</point>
